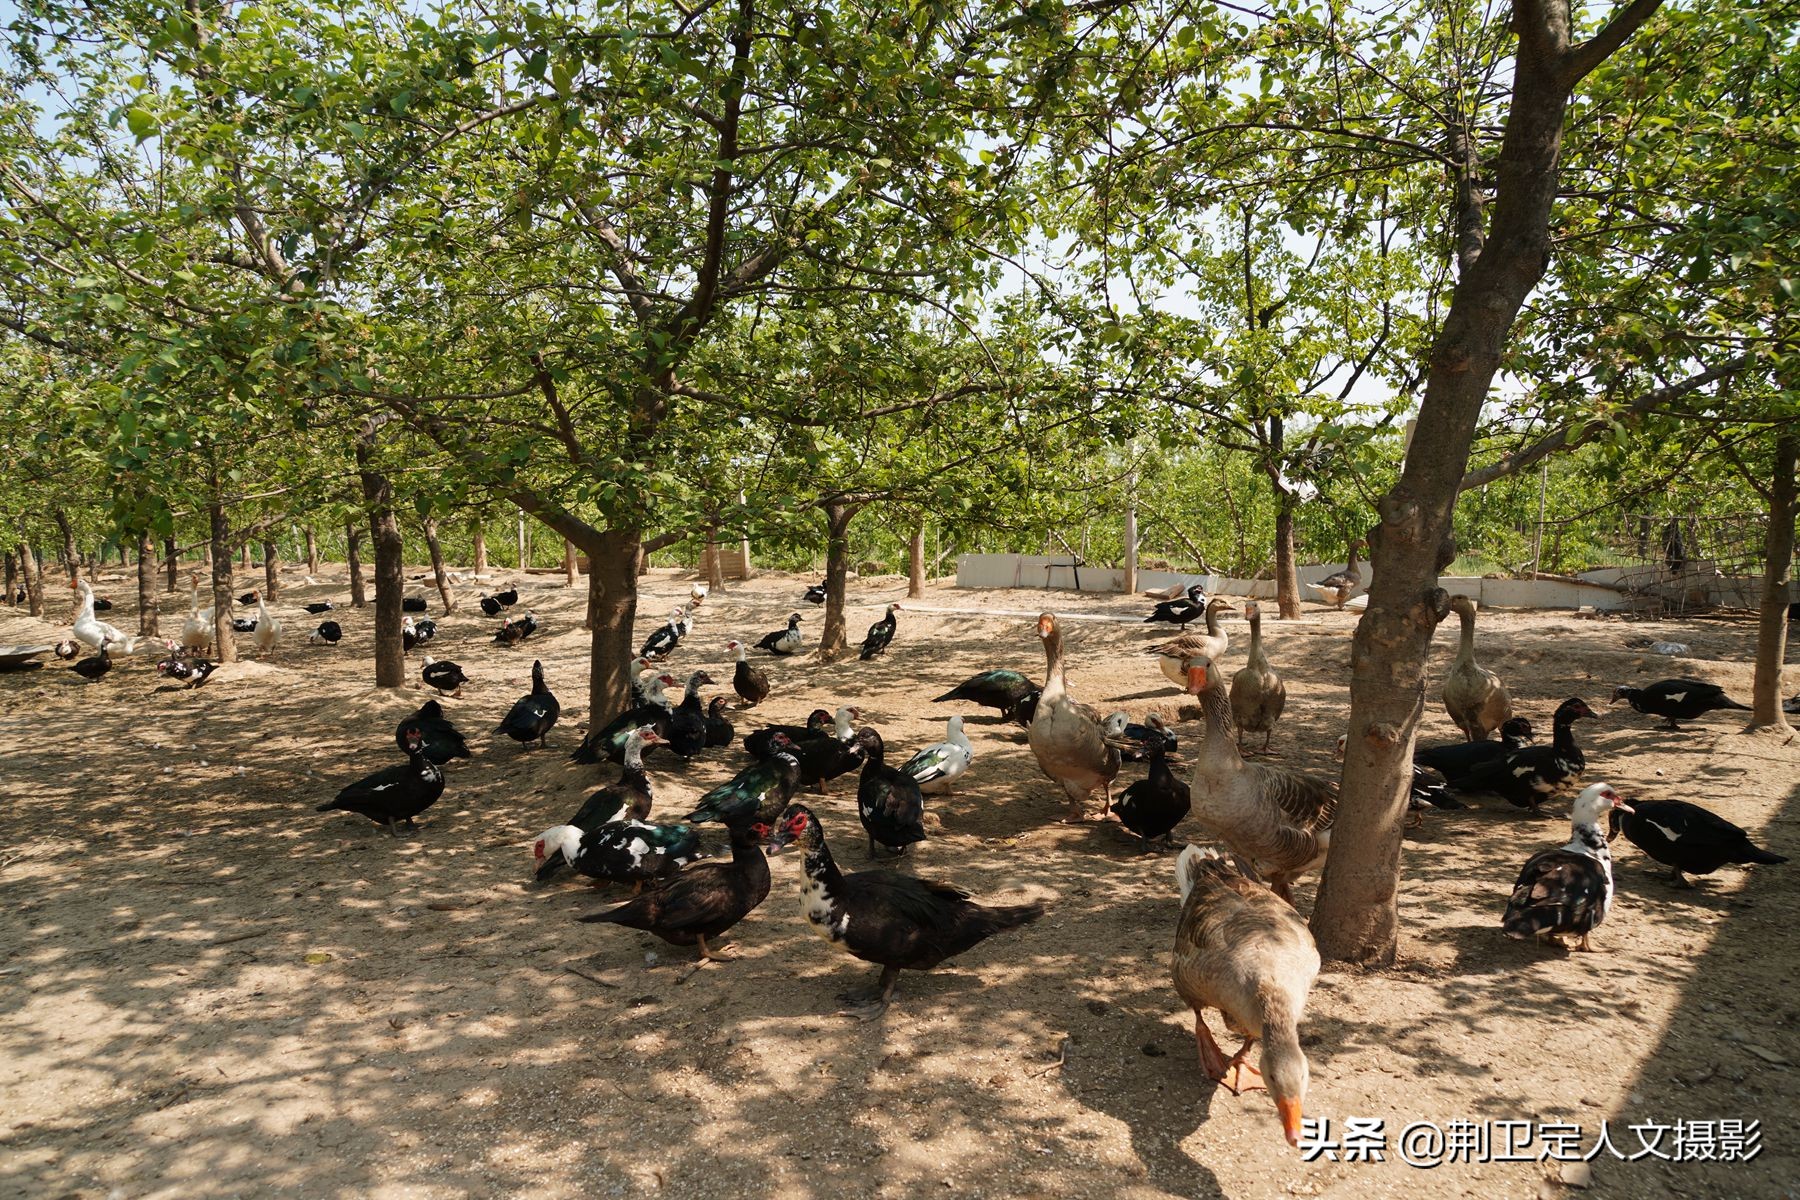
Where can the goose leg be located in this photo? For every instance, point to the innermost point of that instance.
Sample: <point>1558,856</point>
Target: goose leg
<point>1235,1072</point>
<point>1212,1059</point>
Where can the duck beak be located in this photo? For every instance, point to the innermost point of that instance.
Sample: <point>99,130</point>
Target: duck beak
<point>1196,677</point>
<point>1290,1119</point>
<point>1619,803</point>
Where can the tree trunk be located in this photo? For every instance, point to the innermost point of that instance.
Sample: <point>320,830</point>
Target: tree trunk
<point>915,565</point>
<point>224,639</point>
<point>312,552</point>
<point>715,560</point>
<point>34,581</point>
<point>390,573</point>
<point>1287,577</point>
<point>479,534</point>
<point>1777,593</point>
<point>832,643</point>
<point>12,579</point>
<point>271,572</point>
<point>1356,917</point>
<point>437,565</point>
<point>613,573</point>
<point>524,545</point>
<point>71,561</point>
<point>593,598</point>
<point>146,566</point>
<point>571,576</point>
<point>353,557</point>
<point>171,565</point>
<point>244,555</point>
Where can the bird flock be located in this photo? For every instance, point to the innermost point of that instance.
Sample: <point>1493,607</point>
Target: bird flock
<point>1240,945</point>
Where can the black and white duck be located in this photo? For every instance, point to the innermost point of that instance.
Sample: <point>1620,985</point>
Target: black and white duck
<point>890,804</point>
<point>1686,838</point>
<point>899,922</point>
<point>719,729</point>
<point>1530,775</point>
<point>628,797</point>
<point>783,641</point>
<point>1154,805</point>
<point>1000,689</point>
<point>329,633</point>
<point>815,594</point>
<point>534,714</point>
<point>192,671</point>
<point>443,741</point>
<point>663,642</point>
<point>607,744</point>
<point>1455,760</point>
<point>759,792</point>
<point>397,793</point>
<point>1678,699</point>
<point>1134,740</point>
<point>1567,891</point>
<point>703,901</point>
<point>1189,607</point>
<point>509,597</point>
<point>443,675</point>
<point>627,851</point>
<point>937,767</point>
<point>318,607</point>
<point>880,635</point>
<point>751,685</point>
<point>243,624</point>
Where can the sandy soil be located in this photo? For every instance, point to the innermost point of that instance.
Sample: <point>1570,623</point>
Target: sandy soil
<point>209,990</point>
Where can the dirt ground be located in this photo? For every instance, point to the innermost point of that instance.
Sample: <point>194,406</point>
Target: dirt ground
<point>209,990</point>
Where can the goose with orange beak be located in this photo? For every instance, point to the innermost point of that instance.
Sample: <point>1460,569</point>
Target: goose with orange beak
<point>1067,736</point>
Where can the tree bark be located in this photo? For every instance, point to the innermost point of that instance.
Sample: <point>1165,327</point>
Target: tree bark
<point>1356,917</point>
<point>1771,630</point>
<point>714,555</point>
<point>224,639</point>
<point>34,581</point>
<point>915,564</point>
<point>171,565</point>
<point>479,535</point>
<point>146,572</point>
<point>1287,576</point>
<point>71,561</point>
<point>390,572</point>
<point>12,579</point>
<point>312,552</point>
<point>244,555</point>
<point>438,572</point>
<point>271,572</point>
<point>613,560</point>
<point>571,576</point>
<point>353,557</point>
<point>832,642</point>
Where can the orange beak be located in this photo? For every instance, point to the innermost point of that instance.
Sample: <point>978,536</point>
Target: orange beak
<point>1290,1119</point>
<point>1196,680</point>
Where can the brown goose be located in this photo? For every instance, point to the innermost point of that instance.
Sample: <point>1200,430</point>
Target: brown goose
<point>1173,655</point>
<point>1242,951</point>
<point>1066,735</point>
<point>1277,820</point>
<point>1257,693</point>
<point>1339,586</point>
<point>1473,695</point>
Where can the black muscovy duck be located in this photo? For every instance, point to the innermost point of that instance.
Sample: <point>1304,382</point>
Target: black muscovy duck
<point>880,636</point>
<point>243,624</point>
<point>821,759</point>
<point>1180,611</point>
<point>900,922</point>
<point>397,793</point>
<point>443,741</point>
<point>193,672</point>
<point>1133,741</point>
<point>719,729</point>
<point>102,604</point>
<point>248,599</point>
<point>509,597</point>
<point>634,852</point>
<point>533,714</point>
<point>751,685</point>
<point>814,594</point>
<point>411,604</point>
<point>1567,891</point>
<point>1001,689</point>
<point>96,665</point>
<point>887,799</point>
<point>329,633</point>
<point>489,606</point>
<point>1677,699</point>
<point>526,624</point>
<point>630,795</point>
<point>704,901</point>
<point>1531,774</point>
<point>1686,838</point>
<point>761,743</point>
<point>607,744</point>
<point>509,634</point>
<point>687,724</point>
<point>1454,760</point>
<point>318,607</point>
<point>443,675</point>
<point>783,641</point>
<point>758,792</point>
<point>1155,804</point>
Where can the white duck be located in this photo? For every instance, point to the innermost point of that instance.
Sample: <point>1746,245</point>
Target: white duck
<point>268,628</point>
<point>88,629</point>
<point>935,768</point>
